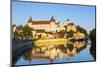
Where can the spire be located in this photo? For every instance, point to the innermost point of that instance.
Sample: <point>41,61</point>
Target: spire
<point>52,19</point>
<point>30,19</point>
<point>68,19</point>
<point>69,22</point>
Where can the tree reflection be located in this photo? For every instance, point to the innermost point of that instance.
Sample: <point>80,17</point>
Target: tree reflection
<point>28,56</point>
<point>93,50</point>
<point>71,50</point>
<point>75,47</point>
<point>80,46</point>
<point>52,51</point>
<point>93,43</point>
<point>60,50</point>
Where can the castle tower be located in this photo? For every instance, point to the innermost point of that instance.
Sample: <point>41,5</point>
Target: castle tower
<point>52,19</point>
<point>30,22</point>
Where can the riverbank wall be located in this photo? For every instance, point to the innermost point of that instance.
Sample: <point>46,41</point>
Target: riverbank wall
<point>19,47</point>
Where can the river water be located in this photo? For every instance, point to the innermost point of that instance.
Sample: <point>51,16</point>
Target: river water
<point>63,53</point>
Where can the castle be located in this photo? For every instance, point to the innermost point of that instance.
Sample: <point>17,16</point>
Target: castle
<point>45,26</point>
<point>50,28</point>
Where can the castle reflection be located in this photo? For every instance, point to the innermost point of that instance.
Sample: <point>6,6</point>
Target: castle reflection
<point>53,51</point>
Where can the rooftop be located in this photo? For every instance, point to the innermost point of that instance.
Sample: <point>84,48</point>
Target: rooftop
<point>41,22</point>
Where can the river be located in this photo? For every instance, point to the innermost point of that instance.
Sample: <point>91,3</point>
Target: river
<point>63,53</point>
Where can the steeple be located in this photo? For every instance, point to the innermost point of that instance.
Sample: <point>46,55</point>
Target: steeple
<point>68,19</point>
<point>69,22</point>
<point>30,19</point>
<point>52,19</point>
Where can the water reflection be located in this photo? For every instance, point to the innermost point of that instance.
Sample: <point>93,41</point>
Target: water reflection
<point>93,50</point>
<point>53,51</point>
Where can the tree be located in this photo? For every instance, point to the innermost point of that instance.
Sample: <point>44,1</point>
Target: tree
<point>93,35</point>
<point>27,31</point>
<point>62,33</point>
<point>82,30</point>
<point>13,31</point>
<point>70,33</point>
<point>20,31</point>
<point>12,28</point>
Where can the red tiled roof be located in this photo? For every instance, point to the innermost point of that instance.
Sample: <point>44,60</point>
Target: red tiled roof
<point>40,31</point>
<point>40,22</point>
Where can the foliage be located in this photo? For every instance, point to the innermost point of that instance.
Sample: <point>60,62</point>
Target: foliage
<point>27,31</point>
<point>78,28</point>
<point>62,33</point>
<point>70,33</point>
<point>40,36</point>
<point>18,33</point>
<point>82,30</point>
<point>43,36</point>
<point>93,35</point>
<point>23,32</point>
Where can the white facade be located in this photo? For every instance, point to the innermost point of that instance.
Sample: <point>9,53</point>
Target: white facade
<point>48,26</point>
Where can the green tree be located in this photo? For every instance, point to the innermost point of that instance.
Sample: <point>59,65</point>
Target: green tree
<point>13,27</point>
<point>82,30</point>
<point>16,34</point>
<point>20,31</point>
<point>70,33</point>
<point>62,33</point>
<point>27,31</point>
<point>93,35</point>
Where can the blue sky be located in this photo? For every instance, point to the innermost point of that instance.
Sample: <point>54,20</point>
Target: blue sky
<point>79,15</point>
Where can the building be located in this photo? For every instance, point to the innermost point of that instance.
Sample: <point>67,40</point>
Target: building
<point>46,25</point>
<point>70,26</point>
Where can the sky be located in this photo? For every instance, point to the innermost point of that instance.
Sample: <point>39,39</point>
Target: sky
<point>78,14</point>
